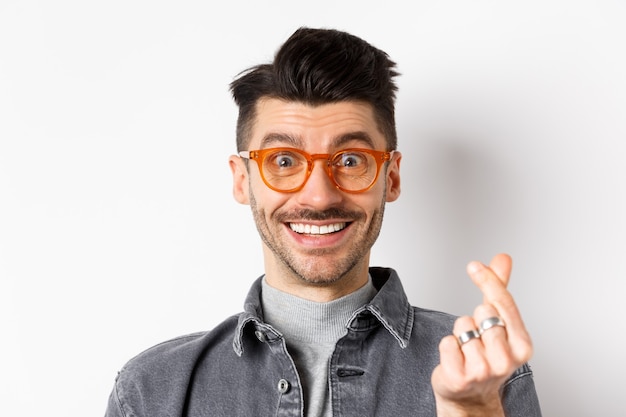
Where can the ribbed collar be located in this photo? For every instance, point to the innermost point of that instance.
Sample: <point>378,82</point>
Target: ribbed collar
<point>309,321</point>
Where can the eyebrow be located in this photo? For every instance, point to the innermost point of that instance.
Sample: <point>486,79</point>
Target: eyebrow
<point>297,142</point>
<point>358,136</point>
<point>282,138</point>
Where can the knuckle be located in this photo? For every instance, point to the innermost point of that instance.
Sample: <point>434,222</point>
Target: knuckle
<point>463,324</point>
<point>481,371</point>
<point>504,367</point>
<point>525,353</point>
<point>447,343</point>
<point>483,311</point>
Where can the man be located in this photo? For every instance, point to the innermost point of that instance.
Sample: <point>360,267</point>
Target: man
<point>322,333</point>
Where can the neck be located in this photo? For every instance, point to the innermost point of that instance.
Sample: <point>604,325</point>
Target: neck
<point>283,278</point>
<point>310,322</point>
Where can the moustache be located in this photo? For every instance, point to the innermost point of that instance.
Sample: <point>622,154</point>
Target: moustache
<point>318,215</point>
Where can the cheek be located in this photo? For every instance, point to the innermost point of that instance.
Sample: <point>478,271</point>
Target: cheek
<point>370,203</point>
<point>375,196</point>
<point>265,200</point>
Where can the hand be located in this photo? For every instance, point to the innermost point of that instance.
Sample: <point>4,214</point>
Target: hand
<point>468,378</point>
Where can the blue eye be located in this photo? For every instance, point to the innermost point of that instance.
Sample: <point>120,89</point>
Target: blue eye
<point>284,160</point>
<point>351,160</point>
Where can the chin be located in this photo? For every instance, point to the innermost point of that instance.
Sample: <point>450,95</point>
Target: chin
<point>323,276</point>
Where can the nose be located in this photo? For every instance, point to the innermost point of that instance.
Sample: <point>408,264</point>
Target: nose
<point>319,192</point>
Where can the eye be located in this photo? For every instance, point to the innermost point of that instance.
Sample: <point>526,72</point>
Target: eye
<point>283,162</point>
<point>283,159</point>
<point>351,160</point>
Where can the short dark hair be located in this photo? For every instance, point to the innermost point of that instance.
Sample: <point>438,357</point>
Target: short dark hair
<point>319,66</point>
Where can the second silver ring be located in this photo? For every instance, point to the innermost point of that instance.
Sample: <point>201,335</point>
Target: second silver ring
<point>467,336</point>
<point>490,323</point>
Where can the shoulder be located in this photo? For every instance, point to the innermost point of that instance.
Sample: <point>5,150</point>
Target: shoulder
<point>429,327</point>
<point>182,348</point>
<point>434,319</point>
<point>156,379</point>
<point>174,360</point>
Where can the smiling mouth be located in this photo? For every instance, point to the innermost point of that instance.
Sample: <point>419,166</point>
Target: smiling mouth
<point>313,229</point>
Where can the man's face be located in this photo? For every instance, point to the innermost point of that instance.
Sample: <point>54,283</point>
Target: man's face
<point>344,225</point>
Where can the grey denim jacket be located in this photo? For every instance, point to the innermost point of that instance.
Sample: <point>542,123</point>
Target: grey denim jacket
<point>382,367</point>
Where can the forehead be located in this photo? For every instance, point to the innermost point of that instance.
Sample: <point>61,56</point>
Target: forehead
<point>290,123</point>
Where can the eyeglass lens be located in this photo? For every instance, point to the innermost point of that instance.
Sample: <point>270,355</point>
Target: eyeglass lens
<point>351,170</point>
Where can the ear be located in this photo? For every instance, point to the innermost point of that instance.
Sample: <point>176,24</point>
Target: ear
<point>393,177</point>
<point>240,179</point>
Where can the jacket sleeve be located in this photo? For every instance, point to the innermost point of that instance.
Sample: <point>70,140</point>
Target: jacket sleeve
<point>519,395</point>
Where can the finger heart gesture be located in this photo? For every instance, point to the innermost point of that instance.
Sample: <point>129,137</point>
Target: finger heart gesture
<point>484,350</point>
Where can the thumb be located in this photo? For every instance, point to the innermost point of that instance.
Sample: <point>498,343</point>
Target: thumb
<point>493,279</point>
<point>501,265</point>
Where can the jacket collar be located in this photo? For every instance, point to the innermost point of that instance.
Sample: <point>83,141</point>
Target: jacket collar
<point>390,307</point>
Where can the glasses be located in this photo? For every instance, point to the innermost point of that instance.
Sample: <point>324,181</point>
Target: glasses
<point>288,169</point>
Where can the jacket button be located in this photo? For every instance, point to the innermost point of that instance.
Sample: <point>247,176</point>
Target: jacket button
<point>260,335</point>
<point>283,386</point>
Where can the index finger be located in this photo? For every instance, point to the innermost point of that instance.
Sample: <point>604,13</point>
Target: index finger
<point>501,267</point>
<point>495,293</point>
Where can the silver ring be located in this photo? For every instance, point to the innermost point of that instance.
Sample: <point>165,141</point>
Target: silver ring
<point>467,336</point>
<point>489,323</point>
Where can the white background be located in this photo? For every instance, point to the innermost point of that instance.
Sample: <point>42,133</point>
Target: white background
<point>117,225</point>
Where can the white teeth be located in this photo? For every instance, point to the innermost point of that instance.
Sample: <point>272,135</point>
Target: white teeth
<point>312,229</point>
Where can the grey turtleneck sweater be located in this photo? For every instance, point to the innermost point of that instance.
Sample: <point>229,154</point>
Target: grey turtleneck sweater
<point>311,330</point>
